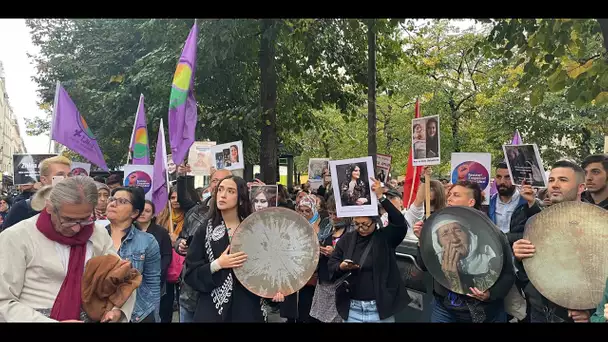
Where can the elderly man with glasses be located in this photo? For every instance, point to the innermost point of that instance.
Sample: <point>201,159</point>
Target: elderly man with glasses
<point>42,259</point>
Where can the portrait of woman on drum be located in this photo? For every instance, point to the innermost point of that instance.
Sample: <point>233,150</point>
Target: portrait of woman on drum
<point>465,261</point>
<point>354,187</point>
<point>263,196</point>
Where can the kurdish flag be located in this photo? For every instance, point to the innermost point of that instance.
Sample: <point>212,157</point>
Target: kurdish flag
<point>138,147</point>
<point>160,192</point>
<point>70,129</point>
<point>182,104</point>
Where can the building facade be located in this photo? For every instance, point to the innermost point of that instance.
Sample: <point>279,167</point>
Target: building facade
<point>11,141</point>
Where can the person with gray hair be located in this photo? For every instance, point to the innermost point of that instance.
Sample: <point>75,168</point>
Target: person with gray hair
<point>43,258</point>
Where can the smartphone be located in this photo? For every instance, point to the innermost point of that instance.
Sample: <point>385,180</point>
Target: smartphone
<point>189,239</point>
<point>348,261</point>
<point>57,179</point>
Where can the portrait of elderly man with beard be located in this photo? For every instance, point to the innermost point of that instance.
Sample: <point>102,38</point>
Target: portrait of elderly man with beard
<point>566,183</point>
<point>507,208</point>
<point>465,261</point>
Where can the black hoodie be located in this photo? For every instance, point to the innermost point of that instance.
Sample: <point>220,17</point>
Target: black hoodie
<point>586,197</point>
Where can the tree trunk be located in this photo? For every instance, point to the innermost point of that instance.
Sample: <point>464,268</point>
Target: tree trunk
<point>326,148</point>
<point>268,101</point>
<point>455,125</point>
<point>388,131</point>
<point>372,148</point>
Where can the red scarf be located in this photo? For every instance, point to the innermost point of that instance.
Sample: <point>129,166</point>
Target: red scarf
<point>68,302</point>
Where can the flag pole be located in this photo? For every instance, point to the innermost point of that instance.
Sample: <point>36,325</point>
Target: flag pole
<point>55,101</point>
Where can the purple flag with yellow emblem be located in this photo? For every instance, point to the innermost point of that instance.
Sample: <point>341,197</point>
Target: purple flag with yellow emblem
<point>71,130</point>
<point>182,104</point>
<point>139,149</point>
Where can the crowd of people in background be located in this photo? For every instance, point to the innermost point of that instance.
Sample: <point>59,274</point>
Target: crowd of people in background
<point>179,260</point>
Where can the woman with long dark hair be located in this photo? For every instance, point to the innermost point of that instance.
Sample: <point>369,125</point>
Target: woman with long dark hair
<point>209,262</point>
<point>353,190</point>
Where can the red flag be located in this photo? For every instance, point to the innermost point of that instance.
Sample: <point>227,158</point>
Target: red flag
<point>412,174</point>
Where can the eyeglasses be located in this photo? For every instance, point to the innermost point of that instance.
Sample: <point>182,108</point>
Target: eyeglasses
<point>363,225</point>
<point>121,201</point>
<point>70,224</point>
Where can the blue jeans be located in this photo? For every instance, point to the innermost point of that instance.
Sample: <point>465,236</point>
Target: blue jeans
<point>441,314</point>
<point>365,312</point>
<point>185,316</point>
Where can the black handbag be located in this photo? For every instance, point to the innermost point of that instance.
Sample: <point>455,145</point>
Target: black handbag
<point>342,286</point>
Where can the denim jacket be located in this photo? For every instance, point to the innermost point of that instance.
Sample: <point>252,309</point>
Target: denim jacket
<point>142,250</point>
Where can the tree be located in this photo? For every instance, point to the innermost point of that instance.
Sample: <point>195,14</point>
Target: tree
<point>560,55</point>
<point>372,147</point>
<point>268,92</point>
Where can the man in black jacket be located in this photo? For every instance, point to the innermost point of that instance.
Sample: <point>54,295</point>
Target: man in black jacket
<point>596,180</point>
<point>566,183</point>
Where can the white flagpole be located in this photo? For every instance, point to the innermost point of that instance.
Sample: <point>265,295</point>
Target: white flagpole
<point>141,99</point>
<point>164,156</point>
<point>56,100</point>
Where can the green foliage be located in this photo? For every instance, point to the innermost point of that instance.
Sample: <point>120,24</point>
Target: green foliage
<point>559,54</point>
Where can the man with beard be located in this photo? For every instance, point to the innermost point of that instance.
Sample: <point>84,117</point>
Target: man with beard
<point>566,183</point>
<point>507,208</point>
<point>595,167</point>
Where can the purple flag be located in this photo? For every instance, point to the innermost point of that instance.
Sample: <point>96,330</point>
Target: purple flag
<point>160,192</point>
<point>139,148</point>
<point>515,141</point>
<point>182,104</point>
<point>70,129</point>
<point>516,138</point>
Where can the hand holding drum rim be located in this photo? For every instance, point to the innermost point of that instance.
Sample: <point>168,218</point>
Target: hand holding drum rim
<point>227,260</point>
<point>523,249</point>
<point>579,316</point>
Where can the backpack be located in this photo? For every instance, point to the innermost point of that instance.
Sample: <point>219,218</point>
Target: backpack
<point>175,268</point>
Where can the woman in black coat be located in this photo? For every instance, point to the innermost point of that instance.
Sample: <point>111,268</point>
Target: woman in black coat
<point>377,292</point>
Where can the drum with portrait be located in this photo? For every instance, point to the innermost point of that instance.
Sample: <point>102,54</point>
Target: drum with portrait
<point>462,249</point>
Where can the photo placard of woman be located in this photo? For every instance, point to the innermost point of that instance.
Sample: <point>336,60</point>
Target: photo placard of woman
<point>351,187</point>
<point>263,196</point>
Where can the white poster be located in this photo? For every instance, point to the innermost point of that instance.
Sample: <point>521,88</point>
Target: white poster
<point>426,141</point>
<point>141,176</point>
<point>316,168</point>
<point>228,156</point>
<point>199,158</point>
<point>352,187</point>
<point>474,167</point>
<point>383,167</point>
<point>81,169</point>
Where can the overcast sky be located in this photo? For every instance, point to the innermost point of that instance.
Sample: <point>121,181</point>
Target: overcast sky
<point>15,43</point>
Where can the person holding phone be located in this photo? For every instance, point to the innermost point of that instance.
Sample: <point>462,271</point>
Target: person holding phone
<point>365,258</point>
